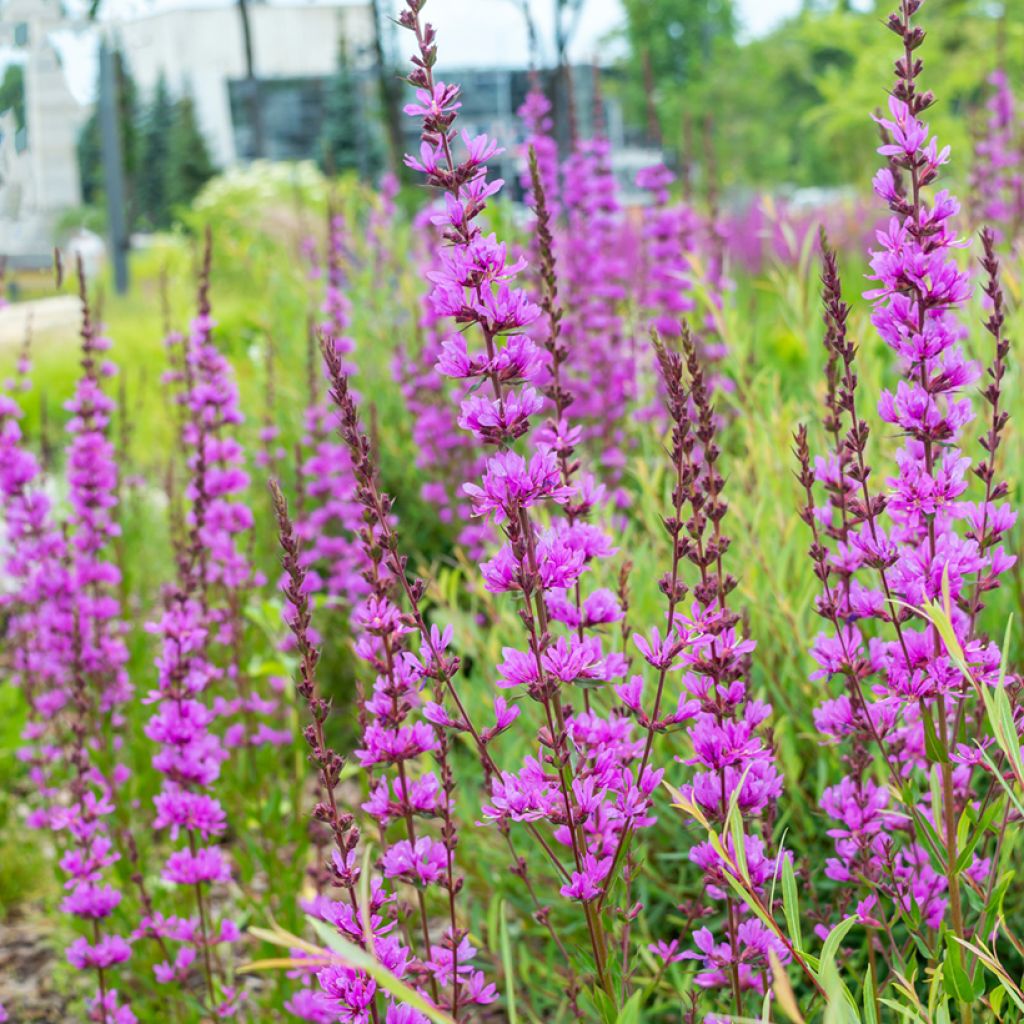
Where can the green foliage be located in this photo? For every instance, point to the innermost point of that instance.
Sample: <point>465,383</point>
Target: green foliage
<point>190,165</point>
<point>165,157</point>
<point>154,186</point>
<point>348,141</point>
<point>792,107</point>
<point>674,44</point>
<point>12,93</point>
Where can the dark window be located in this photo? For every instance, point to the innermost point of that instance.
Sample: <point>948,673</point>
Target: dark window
<point>291,116</point>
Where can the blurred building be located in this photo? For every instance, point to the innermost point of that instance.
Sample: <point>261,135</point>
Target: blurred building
<point>201,50</point>
<point>38,166</point>
<point>198,48</point>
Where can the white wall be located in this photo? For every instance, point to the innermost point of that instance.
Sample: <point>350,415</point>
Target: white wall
<point>200,50</point>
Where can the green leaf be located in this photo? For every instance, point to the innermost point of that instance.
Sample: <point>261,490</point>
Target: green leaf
<point>906,1012</point>
<point>734,825</point>
<point>994,909</point>
<point>839,1005</point>
<point>958,982</point>
<point>739,846</point>
<point>630,1013</point>
<point>507,966</point>
<point>791,903</point>
<point>995,998</point>
<point>924,827</point>
<point>988,957</point>
<point>605,1005</point>
<point>870,1009</point>
<point>967,848</point>
<point>933,748</point>
<point>830,947</point>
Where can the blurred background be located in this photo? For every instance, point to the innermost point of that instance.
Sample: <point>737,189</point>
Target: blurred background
<point>114,114</point>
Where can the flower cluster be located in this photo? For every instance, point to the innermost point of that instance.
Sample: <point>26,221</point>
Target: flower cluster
<point>921,542</point>
<point>733,761</point>
<point>201,634</point>
<point>99,685</point>
<point>997,172</point>
<point>343,994</point>
<point>582,782</point>
<point>38,604</point>
<point>535,113</point>
<point>596,259</point>
<point>442,450</point>
<point>399,732</point>
<point>669,236</point>
<point>329,517</point>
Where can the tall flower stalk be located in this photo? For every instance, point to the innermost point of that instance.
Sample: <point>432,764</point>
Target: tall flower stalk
<point>732,757</point>
<point>330,517</point>
<point>99,685</point>
<point>997,173</point>
<point>920,542</point>
<point>200,635</point>
<point>582,782</point>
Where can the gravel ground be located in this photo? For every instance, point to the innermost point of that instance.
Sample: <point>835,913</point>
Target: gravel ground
<point>27,960</point>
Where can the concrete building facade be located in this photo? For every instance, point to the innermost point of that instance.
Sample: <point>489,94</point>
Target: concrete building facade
<point>38,164</point>
<point>200,50</point>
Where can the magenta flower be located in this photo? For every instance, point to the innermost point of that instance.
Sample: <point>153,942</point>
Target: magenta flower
<point>919,541</point>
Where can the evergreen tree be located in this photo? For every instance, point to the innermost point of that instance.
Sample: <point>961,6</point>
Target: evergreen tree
<point>12,93</point>
<point>155,169</point>
<point>190,165</point>
<point>343,144</point>
<point>166,160</point>
<point>90,158</point>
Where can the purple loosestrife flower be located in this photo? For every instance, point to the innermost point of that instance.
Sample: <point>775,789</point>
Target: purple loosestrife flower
<point>333,1000</point>
<point>89,853</point>
<point>200,632</point>
<point>596,247</point>
<point>916,543</point>
<point>443,451</point>
<point>732,758</point>
<point>669,238</point>
<point>669,235</point>
<point>997,171</point>
<point>583,784</point>
<point>330,516</point>
<point>92,496</point>
<point>381,224</point>
<point>38,606</point>
<point>398,736</point>
<point>219,519</point>
<point>539,126</point>
<point>539,145</point>
<point>99,684</point>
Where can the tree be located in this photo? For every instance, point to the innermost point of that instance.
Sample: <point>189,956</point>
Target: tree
<point>191,166</point>
<point>12,93</point>
<point>90,166</point>
<point>387,86</point>
<point>676,41</point>
<point>345,144</point>
<point>154,187</point>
